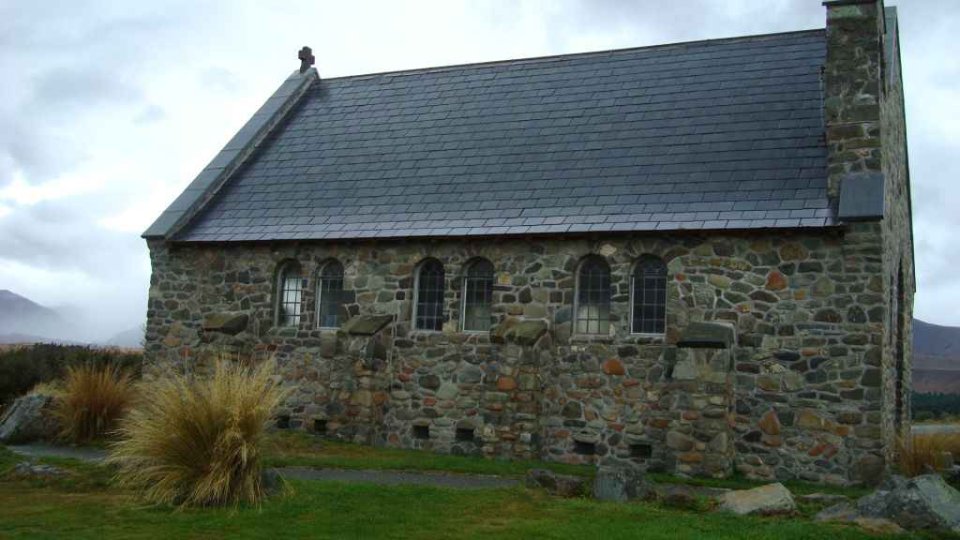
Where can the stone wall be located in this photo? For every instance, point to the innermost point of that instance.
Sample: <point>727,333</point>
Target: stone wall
<point>797,393</point>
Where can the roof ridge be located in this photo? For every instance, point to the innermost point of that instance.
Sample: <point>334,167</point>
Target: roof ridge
<point>566,56</point>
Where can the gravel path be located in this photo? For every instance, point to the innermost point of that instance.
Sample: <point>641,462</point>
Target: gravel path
<point>46,450</point>
<point>393,478</point>
<point>387,478</point>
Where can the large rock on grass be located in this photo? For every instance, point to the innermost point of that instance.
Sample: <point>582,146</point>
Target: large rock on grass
<point>621,484</point>
<point>29,418</point>
<point>924,502</point>
<point>564,485</point>
<point>765,500</point>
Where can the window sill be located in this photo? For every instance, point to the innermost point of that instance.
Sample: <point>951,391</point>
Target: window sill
<point>592,338</point>
<point>645,338</point>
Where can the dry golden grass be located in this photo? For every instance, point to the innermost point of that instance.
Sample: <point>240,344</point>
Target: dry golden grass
<point>196,441</point>
<point>921,452</point>
<point>90,401</point>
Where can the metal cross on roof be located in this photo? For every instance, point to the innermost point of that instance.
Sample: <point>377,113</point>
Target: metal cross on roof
<point>306,58</point>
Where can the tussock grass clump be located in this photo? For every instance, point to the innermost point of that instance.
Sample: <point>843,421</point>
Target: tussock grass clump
<point>196,441</point>
<point>920,453</point>
<point>90,401</point>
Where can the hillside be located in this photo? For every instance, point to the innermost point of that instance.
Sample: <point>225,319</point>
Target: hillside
<point>19,315</point>
<point>936,358</point>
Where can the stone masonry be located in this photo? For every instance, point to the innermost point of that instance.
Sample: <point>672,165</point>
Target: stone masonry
<point>783,355</point>
<point>798,393</point>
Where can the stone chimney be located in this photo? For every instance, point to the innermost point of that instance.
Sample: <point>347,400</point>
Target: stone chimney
<point>852,78</point>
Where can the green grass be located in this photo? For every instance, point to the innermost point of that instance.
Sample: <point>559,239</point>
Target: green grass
<point>338,510</point>
<point>84,505</point>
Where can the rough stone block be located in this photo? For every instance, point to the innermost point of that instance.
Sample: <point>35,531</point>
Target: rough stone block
<point>226,323</point>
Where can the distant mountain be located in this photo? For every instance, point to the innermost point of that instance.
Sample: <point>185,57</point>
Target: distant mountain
<point>936,358</point>
<point>132,338</point>
<point>19,315</point>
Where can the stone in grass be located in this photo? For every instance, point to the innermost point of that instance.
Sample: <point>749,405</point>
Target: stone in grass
<point>678,496</point>
<point>765,500</point>
<point>620,484</point>
<point>28,419</point>
<point>923,502</point>
<point>847,513</point>
<point>564,485</point>
<point>37,470</point>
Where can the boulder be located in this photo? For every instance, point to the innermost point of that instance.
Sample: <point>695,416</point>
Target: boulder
<point>765,500</point>
<point>620,484</point>
<point>564,485</point>
<point>924,502</point>
<point>29,418</point>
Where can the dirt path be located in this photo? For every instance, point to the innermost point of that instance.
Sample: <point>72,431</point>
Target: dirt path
<point>45,450</point>
<point>393,478</point>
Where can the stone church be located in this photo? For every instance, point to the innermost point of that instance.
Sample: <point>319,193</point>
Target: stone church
<point>694,257</point>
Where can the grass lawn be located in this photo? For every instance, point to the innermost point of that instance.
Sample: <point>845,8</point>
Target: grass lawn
<point>85,505</point>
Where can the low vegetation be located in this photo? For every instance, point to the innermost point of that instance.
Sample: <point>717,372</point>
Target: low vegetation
<point>91,400</point>
<point>936,407</point>
<point>922,453</point>
<point>23,368</point>
<point>197,441</point>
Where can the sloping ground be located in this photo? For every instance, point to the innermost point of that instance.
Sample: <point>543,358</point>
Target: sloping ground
<point>936,358</point>
<point>936,381</point>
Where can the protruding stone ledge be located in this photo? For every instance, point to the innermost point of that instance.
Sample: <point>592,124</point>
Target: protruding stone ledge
<point>366,325</point>
<point>519,331</point>
<point>708,335</point>
<point>230,323</point>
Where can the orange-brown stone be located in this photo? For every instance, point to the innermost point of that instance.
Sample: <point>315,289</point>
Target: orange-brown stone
<point>770,423</point>
<point>614,366</point>
<point>690,457</point>
<point>505,384</point>
<point>660,423</point>
<point>776,281</point>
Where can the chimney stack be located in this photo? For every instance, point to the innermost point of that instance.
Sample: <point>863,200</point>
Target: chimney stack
<point>852,77</point>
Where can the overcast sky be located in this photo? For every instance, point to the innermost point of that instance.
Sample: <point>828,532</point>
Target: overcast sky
<point>109,109</point>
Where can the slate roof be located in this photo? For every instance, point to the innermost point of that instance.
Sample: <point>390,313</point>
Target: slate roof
<point>722,134</point>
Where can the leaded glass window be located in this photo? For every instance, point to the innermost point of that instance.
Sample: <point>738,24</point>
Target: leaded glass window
<point>477,295</point>
<point>329,295</point>
<point>593,297</point>
<point>649,286</point>
<point>428,313</point>
<point>291,292</point>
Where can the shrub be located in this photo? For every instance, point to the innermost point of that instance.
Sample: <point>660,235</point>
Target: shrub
<point>91,400</point>
<point>920,453</point>
<point>197,441</point>
<point>22,368</point>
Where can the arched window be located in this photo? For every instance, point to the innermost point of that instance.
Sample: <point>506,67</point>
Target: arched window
<point>593,297</point>
<point>290,289</point>
<point>428,296</point>
<point>329,294</point>
<point>477,295</point>
<point>649,293</point>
